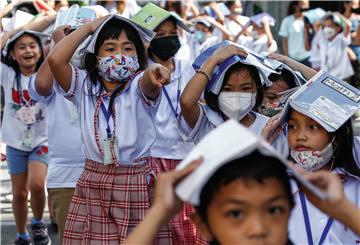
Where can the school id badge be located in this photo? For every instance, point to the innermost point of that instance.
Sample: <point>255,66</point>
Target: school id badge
<point>26,114</point>
<point>108,156</point>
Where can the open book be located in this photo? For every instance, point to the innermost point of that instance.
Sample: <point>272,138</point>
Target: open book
<point>227,142</point>
<point>326,99</point>
<point>75,16</point>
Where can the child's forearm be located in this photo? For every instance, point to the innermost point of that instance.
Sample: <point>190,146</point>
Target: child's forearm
<point>148,229</point>
<point>348,214</point>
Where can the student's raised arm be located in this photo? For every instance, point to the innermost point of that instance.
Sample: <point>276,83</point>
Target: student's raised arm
<point>45,79</point>
<point>306,71</point>
<point>193,90</point>
<point>154,78</point>
<point>60,56</point>
<point>337,205</point>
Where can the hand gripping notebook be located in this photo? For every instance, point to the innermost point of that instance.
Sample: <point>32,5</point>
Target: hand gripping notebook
<point>260,18</point>
<point>217,76</point>
<point>326,99</point>
<point>151,16</point>
<point>220,146</point>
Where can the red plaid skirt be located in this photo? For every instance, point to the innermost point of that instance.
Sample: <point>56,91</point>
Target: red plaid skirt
<point>108,203</point>
<point>180,230</point>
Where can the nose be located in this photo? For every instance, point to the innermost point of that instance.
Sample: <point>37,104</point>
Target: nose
<point>302,135</point>
<point>256,228</point>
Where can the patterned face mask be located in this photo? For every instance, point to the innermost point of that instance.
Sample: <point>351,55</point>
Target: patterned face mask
<point>313,160</point>
<point>118,68</point>
<point>271,109</point>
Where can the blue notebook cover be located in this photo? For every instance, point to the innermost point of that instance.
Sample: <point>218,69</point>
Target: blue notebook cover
<point>327,100</point>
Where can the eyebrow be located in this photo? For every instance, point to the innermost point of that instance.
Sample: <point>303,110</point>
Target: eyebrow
<point>242,202</point>
<point>109,42</point>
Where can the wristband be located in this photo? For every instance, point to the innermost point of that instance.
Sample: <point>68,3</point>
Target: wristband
<point>204,73</point>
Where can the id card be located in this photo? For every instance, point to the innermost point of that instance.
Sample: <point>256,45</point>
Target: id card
<point>26,114</point>
<point>107,151</point>
<point>27,137</point>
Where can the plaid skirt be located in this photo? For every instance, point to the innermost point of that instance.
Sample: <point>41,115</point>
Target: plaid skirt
<point>180,229</point>
<point>108,203</point>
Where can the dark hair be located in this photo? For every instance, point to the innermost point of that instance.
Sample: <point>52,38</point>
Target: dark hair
<point>28,7</point>
<point>229,3</point>
<point>112,29</point>
<point>254,166</point>
<point>292,7</point>
<point>175,5</point>
<point>343,143</point>
<point>212,99</point>
<point>285,76</point>
<point>8,60</point>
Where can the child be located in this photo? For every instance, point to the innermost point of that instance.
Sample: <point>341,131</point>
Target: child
<point>241,191</point>
<point>169,148</point>
<point>24,131</point>
<point>236,92</point>
<point>321,138</point>
<point>65,146</point>
<point>328,49</point>
<point>117,106</point>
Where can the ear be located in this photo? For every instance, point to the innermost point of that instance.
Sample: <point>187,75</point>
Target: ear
<point>12,55</point>
<point>201,226</point>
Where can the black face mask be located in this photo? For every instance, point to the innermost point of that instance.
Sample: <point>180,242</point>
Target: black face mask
<point>355,11</point>
<point>165,47</point>
<point>304,9</point>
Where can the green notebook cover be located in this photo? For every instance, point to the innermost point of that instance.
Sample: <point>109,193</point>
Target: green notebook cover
<point>150,16</point>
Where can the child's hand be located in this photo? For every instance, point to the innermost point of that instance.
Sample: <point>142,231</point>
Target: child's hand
<point>272,129</point>
<point>60,32</point>
<point>226,52</point>
<point>96,23</point>
<point>331,185</point>
<point>165,197</point>
<point>159,75</point>
<point>278,57</point>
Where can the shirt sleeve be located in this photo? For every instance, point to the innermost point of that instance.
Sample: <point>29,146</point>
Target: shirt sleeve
<point>77,83</point>
<point>35,95</point>
<point>356,150</point>
<point>284,29</point>
<point>202,127</point>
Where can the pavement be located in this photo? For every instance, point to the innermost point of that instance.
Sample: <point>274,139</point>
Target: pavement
<point>8,227</point>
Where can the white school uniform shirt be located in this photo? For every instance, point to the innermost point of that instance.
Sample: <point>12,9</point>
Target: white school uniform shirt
<point>293,29</point>
<point>135,115</point>
<point>209,120</point>
<point>338,233</point>
<point>333,56</point>
<point>13,129</point>
<point>169,144</point>
<point>258,45</point>
<point>66,152</point>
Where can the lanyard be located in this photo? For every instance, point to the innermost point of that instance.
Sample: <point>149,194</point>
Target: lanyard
<point>23,101</point>
<point>107,117</point>
<point>307,222</point>
<point>174,110</point>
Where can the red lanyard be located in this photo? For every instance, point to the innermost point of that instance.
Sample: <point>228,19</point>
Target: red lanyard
<point>96,129</point>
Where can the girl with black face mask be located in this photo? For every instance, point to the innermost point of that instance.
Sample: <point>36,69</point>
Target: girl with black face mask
<point>169,148</point>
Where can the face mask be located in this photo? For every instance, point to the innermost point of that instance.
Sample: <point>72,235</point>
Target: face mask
<point>270,110</point>
<point>118,68</point>
<point>329,32</point>
<point>238,10</point>
<point>200,36</point>
<point>313,160</point>
<point>165,47</point>
<point>236,105</point>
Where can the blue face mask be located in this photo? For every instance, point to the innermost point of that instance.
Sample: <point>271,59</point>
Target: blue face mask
<point>200,36</point>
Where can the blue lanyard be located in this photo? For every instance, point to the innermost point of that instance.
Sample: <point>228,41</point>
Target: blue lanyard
<point>307,222</point>
<point>174,110</point>
<point>107,117</point>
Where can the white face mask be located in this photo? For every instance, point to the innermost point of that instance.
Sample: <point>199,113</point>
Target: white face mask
<point>254,34</point>
<point>313,160</point>
<point>329,32</point>
<point>236,105</point>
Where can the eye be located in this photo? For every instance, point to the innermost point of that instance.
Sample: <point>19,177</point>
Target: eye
<point>110,49</point>
<point>247,89</point>
<point>276,210</point>
<point>227,89</point>
<point>129,49</point>
<point>291,126</point>
<point>314,127</point>
<point>235,214</point>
